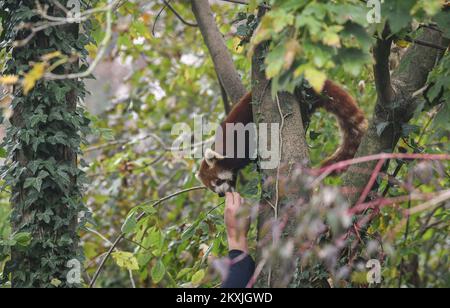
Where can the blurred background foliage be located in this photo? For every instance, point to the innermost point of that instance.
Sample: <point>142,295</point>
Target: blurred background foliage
<point>150,81</point>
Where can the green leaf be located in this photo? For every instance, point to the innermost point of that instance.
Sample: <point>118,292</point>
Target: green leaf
<point>158,271</point>
<point>129,224</point>
<point>183,272</point>
<point>443,21</point>
<point>198,277</point>
<point>33,182</point>
<point>275,61</point>
<point>154,238</point>
<point>398,13</point>
<point>22,239</point>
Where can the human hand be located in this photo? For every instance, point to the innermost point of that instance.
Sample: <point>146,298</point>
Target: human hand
<point>237,221</point>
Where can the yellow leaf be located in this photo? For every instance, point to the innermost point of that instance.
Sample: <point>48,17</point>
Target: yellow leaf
<point>238,49</point>
<point>92,49</point>
<point>331,39</point>
<point>51,56</point>
<point>9,80</point>
<point>56,282</point>
<point>146,18</point>
<point>198,277</point>
<point>402,43</point>
<point>316,78</point>
<point>126,260</point>
<point>292,49</point>
<point>32,77</point>
<point>252,5</point>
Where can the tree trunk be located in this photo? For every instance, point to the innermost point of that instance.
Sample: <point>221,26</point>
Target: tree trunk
<point>285,112</point>
<point>42,167</point>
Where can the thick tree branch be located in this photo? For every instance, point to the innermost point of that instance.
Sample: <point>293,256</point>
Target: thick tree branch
<point>226,102</point>
<point>382,51</point>
<point>223,62</point>
<point>393,112</point>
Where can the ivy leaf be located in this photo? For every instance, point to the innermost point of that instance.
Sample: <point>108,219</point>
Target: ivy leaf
<point>381,127</point>
<point>43,174</point>
<point>36,183</point>
<point>37,118</point>
<point>158,271</point>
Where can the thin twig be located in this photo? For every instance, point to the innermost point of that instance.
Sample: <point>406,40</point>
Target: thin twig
<point>245,3</point>
<point>187,23</point>
<point>122,235</point>
<point>371,182</point>
<point>405,238</point>
<point>326,171</point>
<point>433,202</point>
<point>157,18</point>
<point>101,53</point>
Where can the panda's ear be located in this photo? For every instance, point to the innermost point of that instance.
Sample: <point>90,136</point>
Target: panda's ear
<point>211,157</point>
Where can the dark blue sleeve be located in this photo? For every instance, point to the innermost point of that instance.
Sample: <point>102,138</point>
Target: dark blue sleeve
<point>241,271</point>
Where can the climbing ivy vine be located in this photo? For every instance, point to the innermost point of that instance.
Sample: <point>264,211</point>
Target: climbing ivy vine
<point>43,148</point>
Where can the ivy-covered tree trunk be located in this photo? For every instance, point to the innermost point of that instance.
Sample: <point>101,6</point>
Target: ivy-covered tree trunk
<point>43,144</point>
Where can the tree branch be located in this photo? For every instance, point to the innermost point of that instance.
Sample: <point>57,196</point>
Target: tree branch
<point>245,3</point>
<point>226,102</point>
<point>178,15</point>
<point>396,104</point>
<point>381,52</point>
<point>223,62</point>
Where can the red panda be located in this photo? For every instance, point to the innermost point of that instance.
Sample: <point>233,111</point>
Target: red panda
<point>219,173</point>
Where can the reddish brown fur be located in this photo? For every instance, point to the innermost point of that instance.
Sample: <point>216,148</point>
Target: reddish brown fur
<point>351,119</point>
<point>334,99</point>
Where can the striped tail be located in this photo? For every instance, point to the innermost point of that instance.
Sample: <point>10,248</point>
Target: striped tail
<point>352,122</point>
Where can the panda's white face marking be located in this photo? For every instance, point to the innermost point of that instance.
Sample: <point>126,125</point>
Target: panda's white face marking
<point>223,184</point>
<point>225,175</point>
